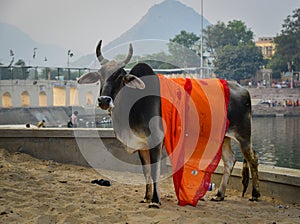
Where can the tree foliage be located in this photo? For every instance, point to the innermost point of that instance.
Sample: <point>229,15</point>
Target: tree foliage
<point>216,36</point>
<point>185,39</point>
<point>220,35</point>
<point>287,54</point>
<point>183,49</point>
<point>239,33</point>
<point>233,49</point>
<point>158,60</point>
<point>238,61</point>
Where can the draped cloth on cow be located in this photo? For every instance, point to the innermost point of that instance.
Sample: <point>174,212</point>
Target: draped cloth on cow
<point>195,120</point>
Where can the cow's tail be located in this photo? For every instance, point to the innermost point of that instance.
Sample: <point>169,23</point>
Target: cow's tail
<point>245,176</point>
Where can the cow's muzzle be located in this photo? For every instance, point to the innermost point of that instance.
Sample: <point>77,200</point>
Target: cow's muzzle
<point>105,102</point>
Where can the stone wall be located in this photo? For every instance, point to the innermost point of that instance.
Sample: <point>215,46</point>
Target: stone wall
<point>274,93</point>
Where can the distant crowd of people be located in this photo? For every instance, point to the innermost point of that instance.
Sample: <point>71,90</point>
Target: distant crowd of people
<point>283,103</point>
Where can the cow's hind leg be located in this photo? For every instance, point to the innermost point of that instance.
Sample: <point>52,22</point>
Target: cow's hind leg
<point>245,177</point>
<point>146,163</point>
<point>229,160</point>
<point>250,160</point>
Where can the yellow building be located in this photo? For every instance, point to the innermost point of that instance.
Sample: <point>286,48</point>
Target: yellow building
<point>267,46</point>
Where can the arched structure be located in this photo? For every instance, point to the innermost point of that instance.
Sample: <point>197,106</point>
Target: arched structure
<point>59,96</point>
<point>74,96</point>
<point>43,99</point>
<point>6,100</point>
<point>89,98</point>
<point>22,93</point>
<point>25,98</point>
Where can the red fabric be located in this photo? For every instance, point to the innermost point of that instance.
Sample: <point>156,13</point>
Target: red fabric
<point>195,121</point>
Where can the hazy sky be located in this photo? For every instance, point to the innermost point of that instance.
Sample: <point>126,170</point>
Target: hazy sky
<point>80,24</point>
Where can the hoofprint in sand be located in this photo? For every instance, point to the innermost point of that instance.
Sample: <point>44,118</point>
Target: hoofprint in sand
<point>39,191</point>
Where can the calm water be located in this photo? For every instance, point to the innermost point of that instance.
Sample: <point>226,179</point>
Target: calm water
<point>277,141</point>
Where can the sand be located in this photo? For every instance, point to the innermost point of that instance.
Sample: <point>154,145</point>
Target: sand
<point>39,191</point>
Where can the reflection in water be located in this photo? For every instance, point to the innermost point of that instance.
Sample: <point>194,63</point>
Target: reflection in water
<point>276,141</point>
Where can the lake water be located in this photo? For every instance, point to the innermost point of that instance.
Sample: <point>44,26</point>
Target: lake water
<point>276,140</point>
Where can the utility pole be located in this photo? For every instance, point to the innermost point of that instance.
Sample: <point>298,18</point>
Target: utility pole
<point>201,42</point>
<point>292,78</point>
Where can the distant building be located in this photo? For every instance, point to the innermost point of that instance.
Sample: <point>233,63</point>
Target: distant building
<point>267,46</point>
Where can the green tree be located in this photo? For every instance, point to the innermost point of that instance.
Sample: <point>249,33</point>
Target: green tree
<point>216,36</point>
<point>233,49</point>
<point>238,62</point>
<point>220,35</point>
<point>20,62</point>
<point>287,54</point>
<point>186,39</point>
<point>183,49</point>
<point>158,60</point>
<point>239,33</point>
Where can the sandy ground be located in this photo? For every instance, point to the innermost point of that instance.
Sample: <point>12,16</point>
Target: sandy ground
<point>39,191</point>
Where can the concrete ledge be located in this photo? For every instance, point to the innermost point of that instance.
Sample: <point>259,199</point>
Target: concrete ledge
<point>94,147</point>
<point>99,148</point>
<point>276,182</point>
<point>55,132</point>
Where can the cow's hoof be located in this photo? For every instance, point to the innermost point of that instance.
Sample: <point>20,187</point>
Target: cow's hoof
<point>253,199</point>
<point>217,198</point>
<point>154,205</point>
<point>145,200</point>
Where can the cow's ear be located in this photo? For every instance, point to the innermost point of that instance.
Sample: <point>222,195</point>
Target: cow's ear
<point>90,77</point>
<point>133,81</point>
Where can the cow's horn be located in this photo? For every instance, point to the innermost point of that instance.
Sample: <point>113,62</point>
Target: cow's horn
<point>130,52</point>
<point>101,59</point>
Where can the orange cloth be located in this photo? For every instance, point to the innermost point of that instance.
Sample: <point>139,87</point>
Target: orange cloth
<point>194,115</point>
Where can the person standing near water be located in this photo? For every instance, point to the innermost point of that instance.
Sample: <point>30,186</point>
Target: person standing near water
<point>73,123</point>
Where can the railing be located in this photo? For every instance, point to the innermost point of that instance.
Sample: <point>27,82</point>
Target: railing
<point>62,73</point>
<point>40,73</point>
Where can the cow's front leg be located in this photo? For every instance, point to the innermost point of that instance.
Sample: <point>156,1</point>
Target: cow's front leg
<point>155,155</point>
<point>146,163</point>
<point>229,160</point>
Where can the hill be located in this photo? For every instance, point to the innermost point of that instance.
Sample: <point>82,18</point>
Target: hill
<point>162,22</point>
<point>12,38</point>
<point>154,30</point>
<point>149,35</point>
